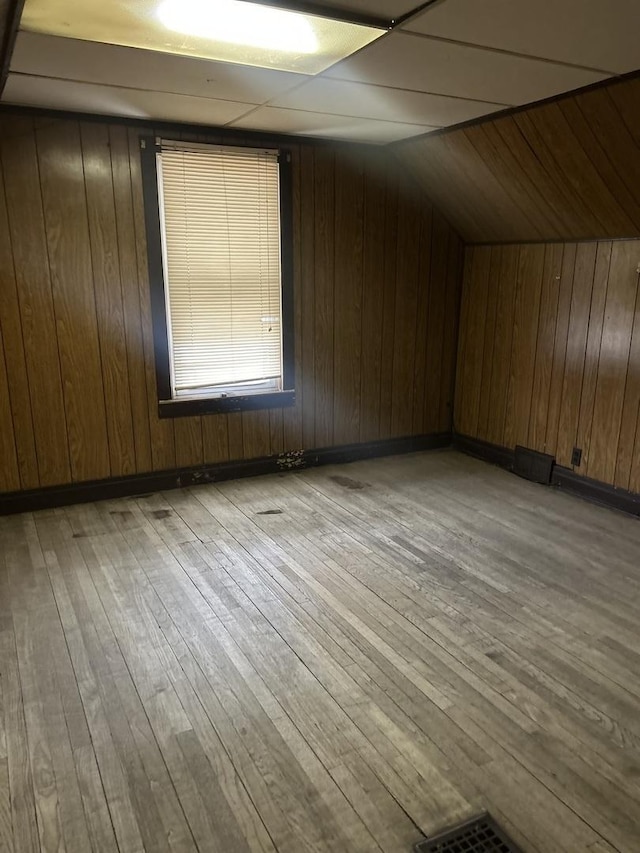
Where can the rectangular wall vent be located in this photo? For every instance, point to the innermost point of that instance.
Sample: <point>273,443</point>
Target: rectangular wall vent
<point>533,465</point>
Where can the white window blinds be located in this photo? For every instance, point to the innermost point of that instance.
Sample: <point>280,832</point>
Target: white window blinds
<point>220,213</point>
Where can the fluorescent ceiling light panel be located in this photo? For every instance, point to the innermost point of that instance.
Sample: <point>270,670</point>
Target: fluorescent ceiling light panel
<point>223,30</point>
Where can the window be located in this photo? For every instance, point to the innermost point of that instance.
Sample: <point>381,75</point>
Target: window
<point>219,240</point>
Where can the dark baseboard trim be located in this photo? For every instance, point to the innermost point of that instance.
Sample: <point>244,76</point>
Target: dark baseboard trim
<point>493,453</point>
<point>595,491</point>
<point>140,484</point>
<point>561,478</point>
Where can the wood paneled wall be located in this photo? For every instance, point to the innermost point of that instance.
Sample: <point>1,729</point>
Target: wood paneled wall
<point>377,276</point>
<point>563,170</point>
<point>549,353</point>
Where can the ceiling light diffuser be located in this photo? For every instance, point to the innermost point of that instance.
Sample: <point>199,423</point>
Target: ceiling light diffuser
<point>240,23</point>
<point>223,30</point>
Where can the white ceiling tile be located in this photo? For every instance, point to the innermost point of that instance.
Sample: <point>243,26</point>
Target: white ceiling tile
<point>415,62</point>
<point>110,100</point>
<point>593,33</point>
<point>378,102</point>
<point>92,62</point>
<point>327,126</point>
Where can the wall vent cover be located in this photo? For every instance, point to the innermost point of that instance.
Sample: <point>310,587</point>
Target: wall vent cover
<point>533,465</point>
<point>478,835</point>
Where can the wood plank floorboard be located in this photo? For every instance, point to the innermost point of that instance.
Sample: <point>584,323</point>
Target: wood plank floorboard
<point>345,659</point>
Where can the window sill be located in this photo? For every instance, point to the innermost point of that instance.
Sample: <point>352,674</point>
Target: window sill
<point>220,405</point>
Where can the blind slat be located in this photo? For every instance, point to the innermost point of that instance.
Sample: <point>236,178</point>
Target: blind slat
<point>221,240</point>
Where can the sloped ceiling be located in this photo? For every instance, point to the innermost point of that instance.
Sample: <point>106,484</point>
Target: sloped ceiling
<point>10,11</point>
<point>569,169</point>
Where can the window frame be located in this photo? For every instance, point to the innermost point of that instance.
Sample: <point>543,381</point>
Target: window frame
<point>172,407</point>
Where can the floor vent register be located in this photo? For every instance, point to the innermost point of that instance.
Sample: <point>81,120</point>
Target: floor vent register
<point>478,835</point>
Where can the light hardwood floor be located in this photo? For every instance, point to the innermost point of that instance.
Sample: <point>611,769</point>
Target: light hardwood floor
<point>340,659</point>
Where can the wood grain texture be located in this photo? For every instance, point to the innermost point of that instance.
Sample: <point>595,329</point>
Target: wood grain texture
<point>347,321</point>
<point>563,170</point>
<point>324,294</point>
<point>189,671</point>
<point>566,348</point>
<point>121,176</point>
<point>163,445</point>
<point>34,300</point>
<point>17,399</point>
<point>376,286</point>
<point>107,284</point>
<point>62,186</point>
<point>372,297</point>
<point>9,475</point>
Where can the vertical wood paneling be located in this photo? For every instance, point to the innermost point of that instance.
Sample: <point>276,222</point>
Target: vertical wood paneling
<point>162,432</point>
<point>96,155</point>
<point>572,366</point>
<point>545,346</point>
<point>307,240</point>
<point>463,337</point>
<point>560,347</point>
<point>373,295</point>
<point>388,302</point>
<point>613,365</point>
<point>631,406</point>
<point>525,330</point>
<point>488,345</point>
<point>502,350</point>
<point>376,293</point>
<point>66,219</point>
<point>406,302</point>
<point>37,316</point>
<point>584,271</point>
<point>324,208</point>
<point>256,437</point>
<point>236,435</point>
<point>347,323</point>
<point>450,335</point>
<point>189,444</point>
<point>470,372</point>
<point>126,239</point>
<point>9,475</point>
<point>592,352</point>
<point>276,430</point>
<point>17,380</point>
<point>215,438</point>
<point>435,309</point>
<point>292,417</point>
<point>420,375</point>
<point>634,480</point>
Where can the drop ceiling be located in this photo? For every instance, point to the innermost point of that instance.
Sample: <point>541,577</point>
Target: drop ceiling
<point>452,61</point>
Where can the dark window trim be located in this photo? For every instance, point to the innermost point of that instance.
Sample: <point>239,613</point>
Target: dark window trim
<point>171,408</point>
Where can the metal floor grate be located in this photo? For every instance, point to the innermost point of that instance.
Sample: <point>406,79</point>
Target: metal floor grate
<point>479,835</point>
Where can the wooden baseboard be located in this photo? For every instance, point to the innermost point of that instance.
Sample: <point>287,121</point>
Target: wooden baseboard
<point>493,453</point>
<point>139,484</point>
<point>595,491</point>
<point>561,478</point>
